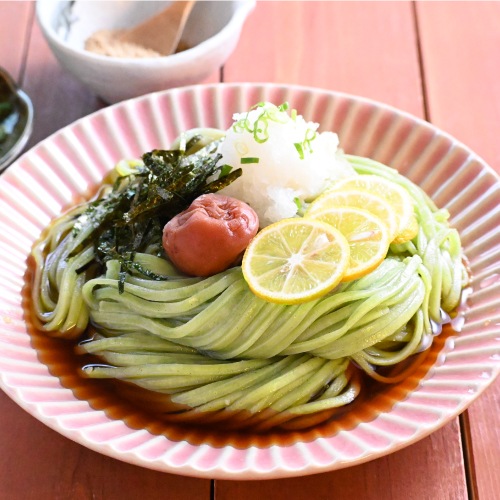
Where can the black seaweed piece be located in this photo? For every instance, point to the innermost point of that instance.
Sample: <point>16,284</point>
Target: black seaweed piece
<point>175,181</point>
<point>132,215</point>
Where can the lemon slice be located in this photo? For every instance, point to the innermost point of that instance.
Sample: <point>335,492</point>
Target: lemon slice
<point>394,194</point>
<point>357,198</point>
<point>295,260</point>
<point>367,235</point>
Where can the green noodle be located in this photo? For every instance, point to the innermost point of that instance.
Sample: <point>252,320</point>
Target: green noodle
<point>199,384</point>
<point>212,346</point>
<point>356,316</point>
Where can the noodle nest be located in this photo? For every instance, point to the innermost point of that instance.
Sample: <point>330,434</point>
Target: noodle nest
<point>208,350</point>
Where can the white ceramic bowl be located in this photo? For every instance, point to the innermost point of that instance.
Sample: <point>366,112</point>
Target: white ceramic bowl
<point>212,31</point>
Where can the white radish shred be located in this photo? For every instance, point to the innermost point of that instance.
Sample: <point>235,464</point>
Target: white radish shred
<point>285,160</point>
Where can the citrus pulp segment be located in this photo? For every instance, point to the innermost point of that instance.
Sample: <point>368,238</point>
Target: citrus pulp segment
<point>295,260</point>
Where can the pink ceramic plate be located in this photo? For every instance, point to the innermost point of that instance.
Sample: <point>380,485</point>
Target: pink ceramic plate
<point>64,167</point>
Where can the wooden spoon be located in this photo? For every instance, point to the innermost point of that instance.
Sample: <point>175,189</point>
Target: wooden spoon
<point>161,32</point>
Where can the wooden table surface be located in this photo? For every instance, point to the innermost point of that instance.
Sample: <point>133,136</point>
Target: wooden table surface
<point>437,60</point>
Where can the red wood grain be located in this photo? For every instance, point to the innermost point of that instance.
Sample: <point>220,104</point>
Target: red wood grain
<point>422,471</point>
<point>36,463</point>
<point>16,17</point>
<point>461,58</point>
<point>363,48</point>
<point>58,98</point>
<point>461,63</point>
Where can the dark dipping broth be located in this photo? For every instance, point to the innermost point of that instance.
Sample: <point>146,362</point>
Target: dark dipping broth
<point>138,409</point>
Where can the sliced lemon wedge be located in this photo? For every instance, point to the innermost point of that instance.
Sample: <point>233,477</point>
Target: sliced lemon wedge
<point>396,195</point>
<point>295,260</point>
<point>367,235</point>
<point>357,198</point>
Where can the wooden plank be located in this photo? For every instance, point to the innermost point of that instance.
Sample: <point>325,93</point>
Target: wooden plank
<point>461,68</point>
<point>37,463</point>
<point>15,24</point>
<point>481,426</point>
<point>58,98</point>
<point>382,37</point>
<point>421,471</point>
<point>363,48</point>
<point>370,49</point>
<point>460,48</point>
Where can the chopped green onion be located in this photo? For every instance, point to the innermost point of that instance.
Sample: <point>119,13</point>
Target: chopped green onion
<point>249,160</point>
<point>300,149</point>
<point>298,203</point>
<point>260,127</point>
<point>310,136</point>
<point>261,124</point>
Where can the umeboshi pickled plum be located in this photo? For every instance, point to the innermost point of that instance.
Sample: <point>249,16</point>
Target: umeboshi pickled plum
<point>210,235</point>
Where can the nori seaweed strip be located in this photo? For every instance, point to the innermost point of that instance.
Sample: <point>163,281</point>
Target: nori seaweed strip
<point>132,214</point>
<point>179,180</point>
